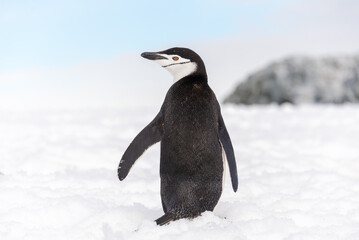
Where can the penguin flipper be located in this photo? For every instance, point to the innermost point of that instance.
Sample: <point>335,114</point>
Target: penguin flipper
<point>228,148</point>
<point>150,135</point>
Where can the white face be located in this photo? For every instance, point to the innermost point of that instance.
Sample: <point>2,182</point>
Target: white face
<point>179,67</point>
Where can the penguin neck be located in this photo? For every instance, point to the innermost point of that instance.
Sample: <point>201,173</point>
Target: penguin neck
<point>196,71</point>
<point>195,77</point>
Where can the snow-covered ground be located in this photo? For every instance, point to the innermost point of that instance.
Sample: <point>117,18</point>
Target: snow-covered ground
<point>298,171</point>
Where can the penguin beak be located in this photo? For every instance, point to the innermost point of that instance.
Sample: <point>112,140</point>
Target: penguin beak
<point>153,56</point>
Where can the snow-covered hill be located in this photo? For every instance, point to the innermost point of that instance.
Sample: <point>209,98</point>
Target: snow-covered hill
<point>301,80</point>
<point>298,173</point>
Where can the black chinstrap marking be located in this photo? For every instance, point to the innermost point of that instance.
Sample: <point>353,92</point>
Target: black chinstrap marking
<point>175,64</point>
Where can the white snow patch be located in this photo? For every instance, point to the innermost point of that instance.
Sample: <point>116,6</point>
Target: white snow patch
<point>297,166</point>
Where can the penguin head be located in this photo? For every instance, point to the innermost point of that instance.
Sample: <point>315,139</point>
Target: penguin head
<point>180,62</point>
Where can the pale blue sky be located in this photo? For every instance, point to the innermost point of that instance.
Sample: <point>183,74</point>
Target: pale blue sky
<point>41,32</point>
<point>86,53</point>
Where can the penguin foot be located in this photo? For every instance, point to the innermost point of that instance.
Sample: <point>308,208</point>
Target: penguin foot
<point>165,219</point>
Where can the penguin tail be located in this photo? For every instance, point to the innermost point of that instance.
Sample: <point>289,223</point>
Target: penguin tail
<point>165,219</point>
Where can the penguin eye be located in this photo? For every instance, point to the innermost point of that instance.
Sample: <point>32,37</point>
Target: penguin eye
<point>175,58</point>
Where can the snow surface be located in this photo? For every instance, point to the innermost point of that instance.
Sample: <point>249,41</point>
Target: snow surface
<point>298,171</point>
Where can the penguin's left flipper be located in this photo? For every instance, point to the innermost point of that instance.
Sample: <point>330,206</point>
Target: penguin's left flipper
<point>150,135</point>
<point>228,148</point>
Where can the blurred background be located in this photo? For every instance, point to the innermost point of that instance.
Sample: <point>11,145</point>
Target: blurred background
<point>86,54</point>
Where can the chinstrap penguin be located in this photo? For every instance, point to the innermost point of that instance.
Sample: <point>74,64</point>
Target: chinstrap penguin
<point>193,137</point>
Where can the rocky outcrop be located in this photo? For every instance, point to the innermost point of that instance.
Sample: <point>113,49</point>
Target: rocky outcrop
<point>301,80</point>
